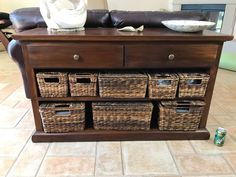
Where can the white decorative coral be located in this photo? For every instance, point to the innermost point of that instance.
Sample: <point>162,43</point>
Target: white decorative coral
<point>63,15</point>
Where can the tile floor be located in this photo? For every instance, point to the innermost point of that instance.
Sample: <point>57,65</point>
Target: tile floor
<point>19,157</point>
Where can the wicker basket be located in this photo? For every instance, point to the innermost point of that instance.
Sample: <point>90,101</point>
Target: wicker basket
<point>193,84</point>
<point>180,115</point>
<point>127,85</point>
<point>52,84</point>
<point>83,84</point>
<point>62,117</point>
<point>162,85</point>
<point>122,115</point>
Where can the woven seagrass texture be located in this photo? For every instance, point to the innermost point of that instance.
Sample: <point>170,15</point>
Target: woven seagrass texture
<point>62,117</point>
<point>83,84</point>
<point>176,115</point>
<point>117,85</point>
<point>193,84</point>
<point>162,85</point>
<point>52,84</point>
<point>122,115</point>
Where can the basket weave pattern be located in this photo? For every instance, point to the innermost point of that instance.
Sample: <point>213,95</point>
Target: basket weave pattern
<point>122,116</point>
<point>78,88</point>
<point>132,85</point>
<point>50,88</point>
<point>188,87</point>
<point>185,115</point>
<point>62,117</point>
<point>162,85</point>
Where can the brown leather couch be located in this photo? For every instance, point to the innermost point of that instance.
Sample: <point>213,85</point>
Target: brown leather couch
<point>29,18</point>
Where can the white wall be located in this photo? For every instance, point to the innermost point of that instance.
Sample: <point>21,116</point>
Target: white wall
<point>140,5</point>
<point>10,5</point>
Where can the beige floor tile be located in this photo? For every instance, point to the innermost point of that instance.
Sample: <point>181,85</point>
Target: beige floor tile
<point>12,141</point>
<point>216,110</point>
<point>72,149</point>
<point>181,147</point>
<point>27,164</point>
<point>225,120</point>
<point>202,165</point>
<point>5,164</point>
<point>2,85</point>
<point>231,131</point>
<point>67,166</point>
<point>229,106</point>
<point>143,158</point>
<point>211,121</point>
<point>223,176</point>
<point>232,160</point>
<point>10,116</point>
<point>108,161</point>
<point>27,122</point>
<point>208,146</point>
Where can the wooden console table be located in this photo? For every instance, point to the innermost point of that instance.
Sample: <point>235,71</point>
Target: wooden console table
<point>99,49</point>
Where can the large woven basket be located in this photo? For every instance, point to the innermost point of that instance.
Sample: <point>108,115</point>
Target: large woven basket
<point>118,85</point>
<point>52,84</point>
<point>180,115</point>
<point>193,84</point>
<point>122,115</point>
<point>62,117</point>
<point>83,84</point>
<point>162,85</point>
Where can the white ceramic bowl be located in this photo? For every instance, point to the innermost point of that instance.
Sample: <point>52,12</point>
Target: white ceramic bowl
<point>187,25</point>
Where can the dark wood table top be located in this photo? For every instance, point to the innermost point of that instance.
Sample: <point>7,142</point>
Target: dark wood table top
<point>112,34</point>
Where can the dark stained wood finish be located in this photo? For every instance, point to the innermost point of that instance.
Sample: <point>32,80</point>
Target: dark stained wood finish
<point>111,34</point>
<point>156,56</point>
<point>60,55</point>
<point>101,135</point>
<point>109,49</point>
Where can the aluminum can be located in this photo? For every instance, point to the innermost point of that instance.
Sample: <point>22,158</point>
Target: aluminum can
<point>219,139</point>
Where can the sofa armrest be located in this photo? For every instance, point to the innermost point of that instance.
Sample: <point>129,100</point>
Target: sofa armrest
<point>151,19</point>
<point>15,52</point>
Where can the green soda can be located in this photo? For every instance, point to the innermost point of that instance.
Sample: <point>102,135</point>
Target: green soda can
<point>220,136</point>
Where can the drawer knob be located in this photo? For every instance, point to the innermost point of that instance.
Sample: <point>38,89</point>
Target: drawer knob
<point>171,57</point>
<point>76,57</point>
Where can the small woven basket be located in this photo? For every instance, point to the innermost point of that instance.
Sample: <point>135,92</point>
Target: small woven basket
<point>127,85</point>
<point>193,84</point>
<point>62,117</point>
<point>162,85</point>
<point>52,84</point>
<point>122,116</point>
<point>83,84</point>
<point>180,115</point>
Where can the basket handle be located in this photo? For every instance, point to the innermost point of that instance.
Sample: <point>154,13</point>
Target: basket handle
<point>163,82</point>
<point>62,112</point>
<point>182,109</point>
<point>83,80</point>
<point>51,80</point>
<point>186,102</point>
<point>194,81</point>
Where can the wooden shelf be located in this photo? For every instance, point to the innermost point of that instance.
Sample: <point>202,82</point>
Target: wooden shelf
<point>111,135</point>
<point>86,99</point>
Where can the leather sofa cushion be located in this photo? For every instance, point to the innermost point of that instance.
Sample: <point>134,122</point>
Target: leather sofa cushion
<point>29,18</point>
<point>151,18</point>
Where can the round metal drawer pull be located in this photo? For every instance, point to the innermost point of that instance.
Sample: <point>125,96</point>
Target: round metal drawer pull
<point>76,57</point>
<point>171,57</point>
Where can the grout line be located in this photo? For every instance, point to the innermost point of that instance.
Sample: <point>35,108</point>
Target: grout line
<point>121,157</point>
<point>36,174</point>
<point>173,157</point>
<point>95,162</point>
<point>22,117</point>
<point>228,163</point>
<point>22,149</point>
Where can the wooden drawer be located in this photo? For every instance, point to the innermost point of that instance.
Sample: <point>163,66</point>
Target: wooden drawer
<point>71,55</point>
<point>168,56</point>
